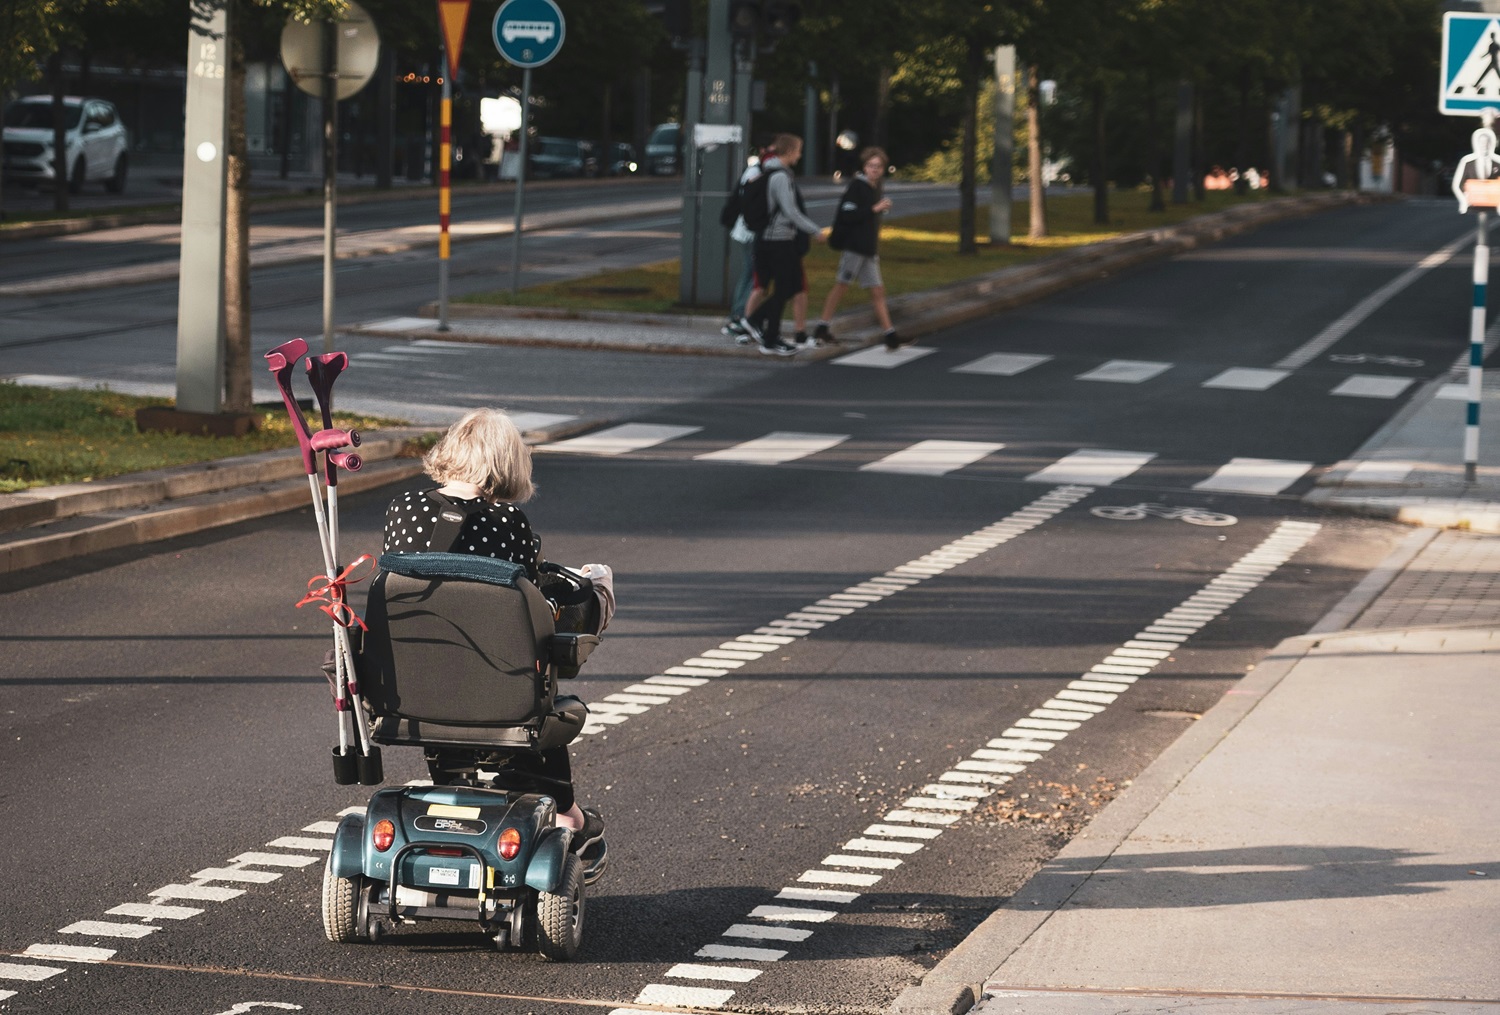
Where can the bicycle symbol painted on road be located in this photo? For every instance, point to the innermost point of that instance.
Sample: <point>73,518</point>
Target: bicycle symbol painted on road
<point>1363,357</point>
<point>1136,512</point>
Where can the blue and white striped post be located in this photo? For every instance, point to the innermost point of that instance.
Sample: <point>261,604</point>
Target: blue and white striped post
<point>1474,186</point>
<point>1476,348</point>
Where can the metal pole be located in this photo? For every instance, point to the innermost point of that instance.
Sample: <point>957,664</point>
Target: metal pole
<point>1476,348</point>
<point>1002,170</point>
<point>515,255</point>
<point>330,173</point>
<point>445,193</point>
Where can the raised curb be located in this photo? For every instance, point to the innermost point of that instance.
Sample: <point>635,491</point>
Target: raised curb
<point>987,947</point>
<point>167,503</point>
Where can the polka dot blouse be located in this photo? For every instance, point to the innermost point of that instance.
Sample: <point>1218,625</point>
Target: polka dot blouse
<point>491,530</point>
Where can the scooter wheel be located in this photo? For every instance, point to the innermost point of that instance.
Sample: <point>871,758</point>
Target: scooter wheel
<point>340,907</point>
<point>559,915</point>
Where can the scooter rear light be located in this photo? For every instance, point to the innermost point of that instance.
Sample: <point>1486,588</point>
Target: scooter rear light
<point>443,851</point>
<point>510,843</point>
<point>383,835</point>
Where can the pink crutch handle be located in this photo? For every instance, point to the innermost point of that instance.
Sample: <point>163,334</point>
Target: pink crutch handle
<point>332,440</point>
<point>345,460</point>
<point>283,359</point>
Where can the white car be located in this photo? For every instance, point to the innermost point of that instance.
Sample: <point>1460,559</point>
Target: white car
<point>97,143</point>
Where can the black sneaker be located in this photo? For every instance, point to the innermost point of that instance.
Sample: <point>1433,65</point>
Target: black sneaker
<point>802,340</point>
<point>777,348</point>
<point>748,332</point>
<point>822,333</point>
<point>892,340</point>
<point>734,329</point>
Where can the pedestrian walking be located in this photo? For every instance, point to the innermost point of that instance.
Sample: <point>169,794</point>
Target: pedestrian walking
<point>856,232</point>
<point>740,303</point>
<point>780,244</point>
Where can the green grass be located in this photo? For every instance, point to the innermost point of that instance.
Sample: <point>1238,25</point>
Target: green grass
<point>52,436</point>
<point>917,252</point>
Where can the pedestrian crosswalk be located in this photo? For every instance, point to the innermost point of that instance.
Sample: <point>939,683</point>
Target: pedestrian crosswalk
<point>1124,371</point>
<point>937,458</point>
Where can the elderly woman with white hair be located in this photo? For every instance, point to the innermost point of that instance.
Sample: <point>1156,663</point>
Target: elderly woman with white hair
<point>484,468</point>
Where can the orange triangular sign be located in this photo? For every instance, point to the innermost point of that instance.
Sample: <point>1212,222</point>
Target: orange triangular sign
<point>454,15</point>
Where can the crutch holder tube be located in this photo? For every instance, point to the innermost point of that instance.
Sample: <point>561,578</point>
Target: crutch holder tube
<point>345,766</point>
<point>371,769</point>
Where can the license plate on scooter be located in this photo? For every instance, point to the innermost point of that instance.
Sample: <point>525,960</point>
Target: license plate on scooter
<point>450,876</point>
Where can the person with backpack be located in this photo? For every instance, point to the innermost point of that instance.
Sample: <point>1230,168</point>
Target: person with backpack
<point>775,212</point>
<point>733,219</point>
<point>856,232</point>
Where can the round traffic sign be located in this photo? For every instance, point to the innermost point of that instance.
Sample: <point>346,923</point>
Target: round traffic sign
<point>358,52</point>
<point>528,33</point>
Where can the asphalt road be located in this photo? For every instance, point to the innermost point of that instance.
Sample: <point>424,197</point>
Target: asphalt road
<point>163,713</point>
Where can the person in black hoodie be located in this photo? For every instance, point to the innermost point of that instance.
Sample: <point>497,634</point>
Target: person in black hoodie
<point>857,224</point>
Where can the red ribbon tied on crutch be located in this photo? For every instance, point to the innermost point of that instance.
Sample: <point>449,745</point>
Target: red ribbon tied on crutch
<point>328,593</point>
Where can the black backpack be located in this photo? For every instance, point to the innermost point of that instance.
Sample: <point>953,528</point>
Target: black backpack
<point>732,207</point>
<point>755,202</point>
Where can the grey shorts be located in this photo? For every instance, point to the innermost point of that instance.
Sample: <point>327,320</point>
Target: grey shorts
<point>857,268</point>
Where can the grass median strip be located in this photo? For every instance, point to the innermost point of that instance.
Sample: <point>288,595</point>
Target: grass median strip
<point>50,436</point>
<point>917,252</point>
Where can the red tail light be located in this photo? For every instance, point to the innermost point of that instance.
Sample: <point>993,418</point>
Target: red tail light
<point>383,835</point>
<point>443,851</point>
<point>510,843</point>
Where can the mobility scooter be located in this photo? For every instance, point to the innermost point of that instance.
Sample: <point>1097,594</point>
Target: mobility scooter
<point>459,656</point>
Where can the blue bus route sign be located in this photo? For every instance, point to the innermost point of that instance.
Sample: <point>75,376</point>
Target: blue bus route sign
<point>528,33</point>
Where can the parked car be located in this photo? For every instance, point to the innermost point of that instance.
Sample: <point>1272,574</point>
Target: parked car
<point>664,150</point>
<point>97,145</point>
<point>622,159</point>
<point>561,157</point>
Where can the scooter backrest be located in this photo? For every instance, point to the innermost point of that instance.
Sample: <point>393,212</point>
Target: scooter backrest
<point>455,639</point>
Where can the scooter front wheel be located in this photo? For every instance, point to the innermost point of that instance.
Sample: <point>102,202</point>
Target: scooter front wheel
<point>559,915</point>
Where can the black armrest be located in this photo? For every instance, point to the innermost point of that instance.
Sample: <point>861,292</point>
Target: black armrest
<point>569,651</point>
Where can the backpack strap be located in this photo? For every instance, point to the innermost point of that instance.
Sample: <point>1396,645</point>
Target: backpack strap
<point>450,523</point>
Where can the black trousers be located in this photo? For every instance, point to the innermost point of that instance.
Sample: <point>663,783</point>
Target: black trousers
<point>778,266</point>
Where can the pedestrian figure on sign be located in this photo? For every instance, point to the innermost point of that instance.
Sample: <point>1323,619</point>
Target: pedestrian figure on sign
<point>1494,64</point>
<point>1481,165</point>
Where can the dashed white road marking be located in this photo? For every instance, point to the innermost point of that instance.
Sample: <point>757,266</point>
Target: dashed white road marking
<point>619,440</point>
<point>776,447</point>
<point>22,971</point>
<point>1373,472</point>
<point>1092,467</point>
<point>953,794</point>
<point>1264,476</point>
<point>1003,364</point>
<point>881,358</point>
<point>67,953</point>
<point>1246,378</point>
<point>1125,371</point>
<point>932,458</point>
<point>1373,386</point>
<point>102,928</point>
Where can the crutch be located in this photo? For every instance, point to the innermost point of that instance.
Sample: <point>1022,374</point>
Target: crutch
<point>322,371</point>
<point>348,767</point>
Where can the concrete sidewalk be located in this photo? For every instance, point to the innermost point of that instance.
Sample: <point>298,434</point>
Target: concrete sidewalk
<point>1412,469</point>
<point>1324,836</point>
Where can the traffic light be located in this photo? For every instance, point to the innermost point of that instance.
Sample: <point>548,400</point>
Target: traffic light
<point>770,19</point>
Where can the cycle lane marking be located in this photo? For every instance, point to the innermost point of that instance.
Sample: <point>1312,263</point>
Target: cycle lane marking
<point>920,819</point>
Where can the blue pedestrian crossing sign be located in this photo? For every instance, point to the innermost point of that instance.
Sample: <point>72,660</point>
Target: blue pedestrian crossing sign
<point>1470,65</point>
<point>528,33</point>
